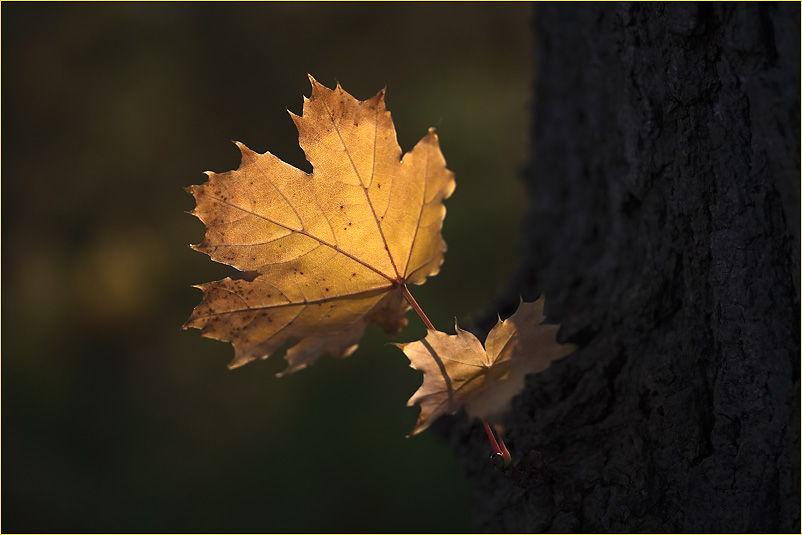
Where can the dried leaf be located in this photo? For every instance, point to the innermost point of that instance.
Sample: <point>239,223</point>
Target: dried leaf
<point>329,251</point>
<point>459,372</point>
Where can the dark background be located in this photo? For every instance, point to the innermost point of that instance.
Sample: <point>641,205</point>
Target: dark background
<point>113,418</point>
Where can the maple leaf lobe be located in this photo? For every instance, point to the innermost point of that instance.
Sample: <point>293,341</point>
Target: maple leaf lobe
<point>329,251</point>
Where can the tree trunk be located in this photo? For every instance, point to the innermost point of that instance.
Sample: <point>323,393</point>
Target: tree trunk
<point>664,231</point>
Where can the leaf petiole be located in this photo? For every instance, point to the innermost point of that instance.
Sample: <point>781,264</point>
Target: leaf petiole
<point>500,450</point>
<point>491,438</point>
<point>505,452</point>
<point>416,306</point>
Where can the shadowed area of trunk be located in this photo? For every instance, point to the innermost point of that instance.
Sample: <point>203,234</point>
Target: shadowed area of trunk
<point>663,228</point>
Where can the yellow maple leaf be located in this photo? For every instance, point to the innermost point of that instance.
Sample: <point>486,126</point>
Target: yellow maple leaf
<point>329,252</point>
<point>459,372</point>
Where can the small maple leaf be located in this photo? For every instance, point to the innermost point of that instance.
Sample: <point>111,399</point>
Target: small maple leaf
<point>459,372</point>
<point>329,252</point>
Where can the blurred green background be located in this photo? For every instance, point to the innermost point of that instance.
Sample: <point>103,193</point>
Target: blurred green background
<point>115,420</point>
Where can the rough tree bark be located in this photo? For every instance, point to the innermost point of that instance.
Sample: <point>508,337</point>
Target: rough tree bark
<point>664,230</point>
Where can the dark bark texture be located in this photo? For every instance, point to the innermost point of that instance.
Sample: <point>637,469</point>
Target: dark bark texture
<point>664,231</point>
